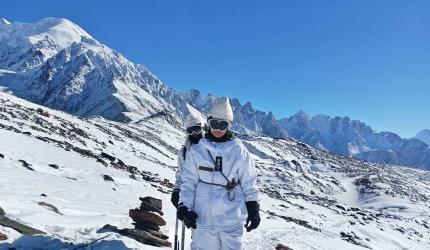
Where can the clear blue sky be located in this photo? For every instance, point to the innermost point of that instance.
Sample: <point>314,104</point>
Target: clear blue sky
<point>369,60</point>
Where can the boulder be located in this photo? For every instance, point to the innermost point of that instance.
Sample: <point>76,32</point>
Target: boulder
<point>145,237</point>
<point>142,216</point>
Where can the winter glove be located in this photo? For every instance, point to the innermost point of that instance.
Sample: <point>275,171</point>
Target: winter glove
<point>253,219</point>
<point>188,217</point>
<point>175,197</point>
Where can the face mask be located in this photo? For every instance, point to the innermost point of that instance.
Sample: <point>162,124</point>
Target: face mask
<point>195,138</point>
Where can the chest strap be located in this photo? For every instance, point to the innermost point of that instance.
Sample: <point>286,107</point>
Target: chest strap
<point>230,186</point>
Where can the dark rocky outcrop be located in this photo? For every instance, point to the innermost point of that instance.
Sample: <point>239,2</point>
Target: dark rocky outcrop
<point>4,221</point>
<point>2,211</point>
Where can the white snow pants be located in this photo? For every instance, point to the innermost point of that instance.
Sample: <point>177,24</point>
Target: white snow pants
<point>205,239</point>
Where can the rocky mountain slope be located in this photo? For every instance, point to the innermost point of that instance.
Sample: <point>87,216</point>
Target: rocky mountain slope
<point>353,138</point>
<point>424,136</point>
<point>310,198</point>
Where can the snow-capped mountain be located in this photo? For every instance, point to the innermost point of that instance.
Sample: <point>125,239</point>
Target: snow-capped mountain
<point>57,64</point>
<point>424,136</point>
<point>348,137</point>
<point>310,199</point>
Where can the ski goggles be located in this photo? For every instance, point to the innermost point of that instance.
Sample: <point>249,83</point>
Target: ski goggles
<point>194,130</point>
<point>217,124</point>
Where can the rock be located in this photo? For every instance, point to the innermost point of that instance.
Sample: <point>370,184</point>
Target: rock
<point>23,229</point>
<point>146,226</point>
<point>107,228</point>
<point>157,234</point>
<point>49,207</point>
<point>102,162</point>
<point>26,165</point>
<point>142,216</point>
<point>43,195</point>
<point>2,156</point>
<point>153,201</point>
<point>54,166</point>
<point>2,211</point>
<point>148,207</point>
<point>341,207</point>
<point>107,178</point>
<point>145,237</point>
<point>3,237</point>
<point>167,183</point>
<point>121,163</point>
<point>282,247</point>
<point>107,156</point>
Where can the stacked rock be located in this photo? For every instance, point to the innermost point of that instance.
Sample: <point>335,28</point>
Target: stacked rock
<point>147,221</point>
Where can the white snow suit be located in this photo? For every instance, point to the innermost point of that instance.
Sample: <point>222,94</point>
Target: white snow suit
<point>221,214</point>
<point>181,159</point>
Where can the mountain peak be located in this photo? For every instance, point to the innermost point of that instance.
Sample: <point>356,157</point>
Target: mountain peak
<point>424,136</point>
<point>302,115</point>
<point>4,21</point>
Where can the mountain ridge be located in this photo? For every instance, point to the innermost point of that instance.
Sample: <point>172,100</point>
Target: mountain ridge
<point>57,64</point>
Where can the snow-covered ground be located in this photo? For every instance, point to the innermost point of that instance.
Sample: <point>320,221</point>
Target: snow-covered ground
<point>310,199</point>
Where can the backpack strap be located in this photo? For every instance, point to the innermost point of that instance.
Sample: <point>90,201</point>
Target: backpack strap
<point>184,152</point>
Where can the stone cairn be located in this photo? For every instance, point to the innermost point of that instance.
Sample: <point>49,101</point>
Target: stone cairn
<point>147,221</point>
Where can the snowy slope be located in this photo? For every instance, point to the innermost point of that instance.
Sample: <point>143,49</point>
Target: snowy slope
<point>310,198</point>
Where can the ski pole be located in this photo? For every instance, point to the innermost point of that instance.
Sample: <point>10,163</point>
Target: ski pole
<point>176,247</point>
<point>183,236</point>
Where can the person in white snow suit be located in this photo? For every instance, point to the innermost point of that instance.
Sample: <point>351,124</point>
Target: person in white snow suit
<point>218,196</point>
<point>194,127</point>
